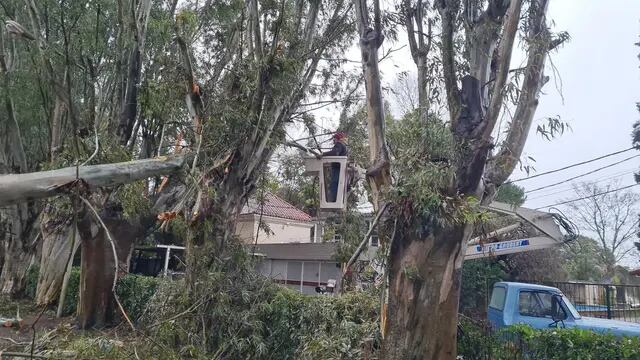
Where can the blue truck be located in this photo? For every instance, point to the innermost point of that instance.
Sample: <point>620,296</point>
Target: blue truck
<point>544,307</point>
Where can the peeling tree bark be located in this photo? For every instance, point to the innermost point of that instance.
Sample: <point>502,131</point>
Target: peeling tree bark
<point>129,108</point>
<point>56,249</point>
<point>18,222</point>
<point>503,164</point>
<point>371,39</point>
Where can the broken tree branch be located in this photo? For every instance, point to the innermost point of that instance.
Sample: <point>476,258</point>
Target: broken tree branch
<point>15,188</point>
<point>364,241</point>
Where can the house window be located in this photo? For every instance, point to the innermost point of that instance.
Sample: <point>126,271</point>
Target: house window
<point>312,234</point>
<point>374,241</point>
<point>336,238</point>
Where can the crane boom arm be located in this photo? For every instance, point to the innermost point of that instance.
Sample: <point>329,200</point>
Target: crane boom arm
<point>550,233</point>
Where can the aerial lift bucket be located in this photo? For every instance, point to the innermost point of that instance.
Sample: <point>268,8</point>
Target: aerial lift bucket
<point>322,169</point>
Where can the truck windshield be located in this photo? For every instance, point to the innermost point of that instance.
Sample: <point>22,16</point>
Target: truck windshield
<point>572,309</point>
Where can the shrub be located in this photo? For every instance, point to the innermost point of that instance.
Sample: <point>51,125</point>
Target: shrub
<point>31,281</point>
<point>134,292</point>
<point>73,290</point>
<point>523,342</point>
<point>569,344</point>
<point>240,314</point>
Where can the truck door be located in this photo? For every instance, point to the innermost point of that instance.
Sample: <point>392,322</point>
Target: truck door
<point>495,314</point>
<point>535,308</point>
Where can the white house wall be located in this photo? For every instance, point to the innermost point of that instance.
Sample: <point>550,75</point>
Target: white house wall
<point>282,230</point>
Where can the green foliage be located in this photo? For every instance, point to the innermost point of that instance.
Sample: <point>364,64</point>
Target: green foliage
<point>135,291</point>
<point>85,347</point>
<point>351,226</point>
<point>134,203</point>
<point>423,154</point>
<point>523,342</point>
<point>31,281</point>
<point>294,187</point>
<point>554,128</point>
<point>478,277</point>
<point>240,313</point>
<point>511,194</point>
<point>584,260</point>
<point>73,290</point>
<point>474,343</point>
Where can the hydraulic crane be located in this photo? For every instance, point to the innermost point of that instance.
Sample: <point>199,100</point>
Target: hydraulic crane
<point>528,230</point>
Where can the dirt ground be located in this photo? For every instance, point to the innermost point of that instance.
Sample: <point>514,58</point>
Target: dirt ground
<point>12,337</point>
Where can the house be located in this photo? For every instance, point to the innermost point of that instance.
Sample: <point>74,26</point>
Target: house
<point>299,266</point>
<point>290,250</point>
<point>284,222</point>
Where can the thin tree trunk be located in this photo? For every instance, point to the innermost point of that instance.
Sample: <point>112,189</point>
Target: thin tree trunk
<point>67,274</point>
<point>17,222</point>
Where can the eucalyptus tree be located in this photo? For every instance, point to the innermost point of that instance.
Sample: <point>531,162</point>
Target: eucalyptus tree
<point>448,167</point>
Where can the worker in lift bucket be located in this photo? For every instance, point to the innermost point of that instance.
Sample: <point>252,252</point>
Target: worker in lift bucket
<point>339,149</point>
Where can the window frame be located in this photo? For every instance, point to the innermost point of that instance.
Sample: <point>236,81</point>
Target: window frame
<point>504,298</point>
<point>538,300</point>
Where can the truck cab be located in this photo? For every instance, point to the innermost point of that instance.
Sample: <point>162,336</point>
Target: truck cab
<point>544,307</point>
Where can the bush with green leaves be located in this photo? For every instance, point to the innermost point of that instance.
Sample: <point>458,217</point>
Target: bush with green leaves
<point>31,281</point>
<point>134,291</point>
<point>241,314</point>
<point>524,342</point>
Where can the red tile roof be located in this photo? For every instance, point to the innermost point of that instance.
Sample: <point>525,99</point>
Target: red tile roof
<point>276,207</point>
<point>635,272</point>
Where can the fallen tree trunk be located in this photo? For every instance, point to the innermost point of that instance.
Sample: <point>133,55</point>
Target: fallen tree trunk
<point>17,188</point>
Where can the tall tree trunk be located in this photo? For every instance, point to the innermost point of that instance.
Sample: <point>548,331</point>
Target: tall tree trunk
<point>424,286</point>
<point>19,240</point>
<point>414,17</point>
<point>96,300</point>
<point>426,258</point>
<point>56,249</point>
<point>18,223</point>
<point>370,40</point>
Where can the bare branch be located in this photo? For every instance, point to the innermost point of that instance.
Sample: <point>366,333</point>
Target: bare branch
<point>505,50</point>
<point>502,165</point>
<point>448,10</point>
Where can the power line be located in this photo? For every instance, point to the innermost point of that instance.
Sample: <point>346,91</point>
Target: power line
<point>588,197</point>
<point>570,166</point>
<point>581,175</point>
<point>595,181</point>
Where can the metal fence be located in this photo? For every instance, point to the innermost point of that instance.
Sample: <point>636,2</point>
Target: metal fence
<point>607,301</point>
